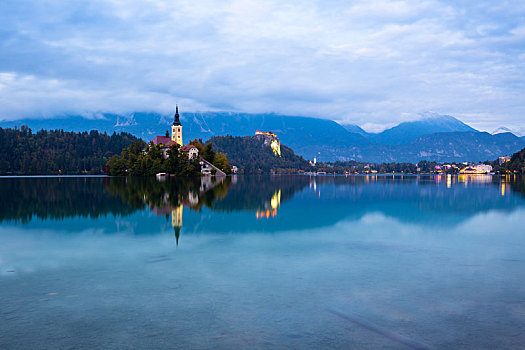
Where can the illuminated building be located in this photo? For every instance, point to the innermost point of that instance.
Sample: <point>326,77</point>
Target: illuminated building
<point>271,139</point>
<point>502,160</point>
<point>476,169</point>
<point>176,128</point>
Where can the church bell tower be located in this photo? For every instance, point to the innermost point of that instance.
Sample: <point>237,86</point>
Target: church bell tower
<point>176,128</point>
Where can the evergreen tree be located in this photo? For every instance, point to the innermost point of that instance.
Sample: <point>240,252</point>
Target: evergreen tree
<point>58,151</point>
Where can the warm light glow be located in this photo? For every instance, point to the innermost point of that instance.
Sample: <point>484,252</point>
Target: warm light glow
<point>257,132</point>
<point>276,147</point>
<point>176,216</point>
<point>275,202</point>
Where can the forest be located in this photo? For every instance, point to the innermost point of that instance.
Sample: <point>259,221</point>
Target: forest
<point>252,156</point>
<point>516,163</point>
<point>52,152</point>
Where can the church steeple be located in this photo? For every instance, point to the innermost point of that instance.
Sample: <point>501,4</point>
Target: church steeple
<point>176,121</point>
<point>176,128</point>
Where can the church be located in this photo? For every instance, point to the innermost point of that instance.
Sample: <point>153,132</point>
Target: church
<point>193,152</point>
<point>176,138</point>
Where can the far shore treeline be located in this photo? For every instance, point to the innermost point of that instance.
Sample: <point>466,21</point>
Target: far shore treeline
<point>46,152</point>
<point>52,152</point>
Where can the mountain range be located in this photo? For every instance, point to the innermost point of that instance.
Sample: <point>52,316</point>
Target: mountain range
<point>406,132</point>
<point>433,137</point>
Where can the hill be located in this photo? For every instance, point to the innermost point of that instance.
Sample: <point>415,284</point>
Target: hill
<point>407,132</point>
<point>517,162</point>
<point>463,146</point>
<point>253,154</point>
<point>58,151</point>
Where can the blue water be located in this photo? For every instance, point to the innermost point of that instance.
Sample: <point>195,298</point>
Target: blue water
<point>299,262</point>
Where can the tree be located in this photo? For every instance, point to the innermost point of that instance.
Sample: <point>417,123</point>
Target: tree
<point>197,143</point>
<point>208,153</point>
<point>221,162</point>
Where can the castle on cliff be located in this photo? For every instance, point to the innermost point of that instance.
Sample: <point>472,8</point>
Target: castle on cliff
<point>270,139</point>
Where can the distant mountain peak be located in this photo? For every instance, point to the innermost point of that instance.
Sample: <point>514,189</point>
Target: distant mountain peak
<point>429,123</point>
<point>356,129</point>
<point>433,115</point>
<point>504,129</point>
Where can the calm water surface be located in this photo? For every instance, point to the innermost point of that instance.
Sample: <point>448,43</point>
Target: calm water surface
<point>263,262</point>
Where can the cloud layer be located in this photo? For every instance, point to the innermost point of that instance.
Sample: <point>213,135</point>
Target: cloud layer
<point>373,63</point>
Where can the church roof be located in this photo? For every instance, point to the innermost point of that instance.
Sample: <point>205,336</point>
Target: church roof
<point>162,140</point>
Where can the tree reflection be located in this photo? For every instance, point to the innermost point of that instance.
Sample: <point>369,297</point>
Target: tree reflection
<point>57,198</point>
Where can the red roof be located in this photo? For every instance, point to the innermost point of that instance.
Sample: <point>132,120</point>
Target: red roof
<point>187,148</point>
<point>162,140</point>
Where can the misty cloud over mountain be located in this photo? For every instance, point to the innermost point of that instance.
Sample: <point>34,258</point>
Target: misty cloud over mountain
<point>434,137</point>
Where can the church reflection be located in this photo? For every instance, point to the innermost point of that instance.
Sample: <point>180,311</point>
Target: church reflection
<point>176,221</point>
<point>194,195</point>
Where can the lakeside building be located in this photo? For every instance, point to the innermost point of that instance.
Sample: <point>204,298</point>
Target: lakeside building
<point>176,128</point>
<point>192,151</point>
<point>176,133</point>
<point>476,169</point>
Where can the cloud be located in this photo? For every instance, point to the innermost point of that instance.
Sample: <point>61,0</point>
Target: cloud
<point>364,62</point>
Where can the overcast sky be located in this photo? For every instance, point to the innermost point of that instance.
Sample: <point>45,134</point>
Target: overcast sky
<point>372,63</point>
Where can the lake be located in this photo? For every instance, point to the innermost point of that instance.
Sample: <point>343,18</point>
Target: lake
<point>361,262</point>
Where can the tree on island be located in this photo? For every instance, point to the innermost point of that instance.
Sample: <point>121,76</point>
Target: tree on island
<point>207,152</point>
<point>140,159</point>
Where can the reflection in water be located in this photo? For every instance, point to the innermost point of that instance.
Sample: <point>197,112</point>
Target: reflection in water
<point>59,198</point>
<point>373,262</point>
<point>417,199</point>
<point>56,198</point>
<point>270,208</point>
<point>176,221</point>
<point>170,195</point>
